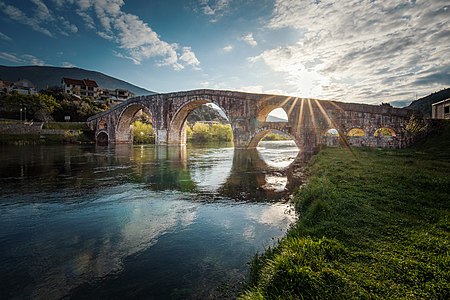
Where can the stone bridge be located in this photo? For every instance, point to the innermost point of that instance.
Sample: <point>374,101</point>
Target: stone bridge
<point>309,120</point>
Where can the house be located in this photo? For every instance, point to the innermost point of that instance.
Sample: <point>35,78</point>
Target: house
<point>84,88</point>
<point>441,109</point>
<point>23,87</point>
<point>117,95</point>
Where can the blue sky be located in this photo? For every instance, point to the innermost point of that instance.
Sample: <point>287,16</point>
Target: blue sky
<point>353,51</point>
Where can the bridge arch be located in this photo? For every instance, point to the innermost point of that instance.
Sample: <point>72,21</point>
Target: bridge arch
<point>331,137</point>
<point>102,138</point>
<point>123,127</point>
<point>356,132</point>
<point>177,127</point>
<point>264,111</point>
<point>385,132</point>
<point>282,114</point>
<point>260,134</point>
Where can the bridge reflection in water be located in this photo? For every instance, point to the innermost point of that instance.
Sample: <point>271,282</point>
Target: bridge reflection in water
<point>240,174</point>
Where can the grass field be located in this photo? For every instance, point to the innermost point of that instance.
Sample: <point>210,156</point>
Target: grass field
<point>373,224</point>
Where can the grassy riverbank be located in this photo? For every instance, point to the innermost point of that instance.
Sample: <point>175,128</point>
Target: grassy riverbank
<point>374,224</point>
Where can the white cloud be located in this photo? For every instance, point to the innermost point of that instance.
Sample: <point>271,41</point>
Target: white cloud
<point>227,48</point>
<point>362,50</point>
<point>248,38</point>
<point>19,16</point>
<point>33,60</point>
<point>10,57</point>
<point>133,35</point>
<point>41,19</point>
<point>67,64</point>
<point>4,37</point>
<point>215,9</point>
<point>189,57</point>
<point>22,59</point>
<point>41,11</point>
<point>257,89</point>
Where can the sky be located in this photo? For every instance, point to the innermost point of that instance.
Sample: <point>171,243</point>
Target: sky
<point>364,51</point>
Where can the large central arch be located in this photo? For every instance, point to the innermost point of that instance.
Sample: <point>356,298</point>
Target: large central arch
<point>124,133</point>
<point>177,127</point>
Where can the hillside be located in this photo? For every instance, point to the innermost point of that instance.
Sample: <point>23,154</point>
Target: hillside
<point>43,77</point>
<point>423,105</point>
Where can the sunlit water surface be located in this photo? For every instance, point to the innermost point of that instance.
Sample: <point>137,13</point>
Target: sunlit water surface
<point>141,222</point>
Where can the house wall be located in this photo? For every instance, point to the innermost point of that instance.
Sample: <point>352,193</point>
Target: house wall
<point>441,110</point>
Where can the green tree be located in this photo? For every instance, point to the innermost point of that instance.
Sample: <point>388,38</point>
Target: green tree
<point>143,133</point>
<point>11,104</point>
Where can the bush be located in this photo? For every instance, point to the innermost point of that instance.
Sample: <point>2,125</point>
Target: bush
<point>202,133</point>
<point>143,133</point>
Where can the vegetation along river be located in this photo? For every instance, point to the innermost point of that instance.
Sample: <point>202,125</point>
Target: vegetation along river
<point>138,222</point>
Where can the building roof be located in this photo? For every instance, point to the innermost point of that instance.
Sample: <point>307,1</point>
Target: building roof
<point>25,83</point>
<point>90,83</point>
<point>72,81</point>
<point>441,102</point>
<point>84,82</point>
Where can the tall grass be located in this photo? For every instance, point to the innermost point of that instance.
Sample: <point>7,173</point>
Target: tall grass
<point>374,224</point>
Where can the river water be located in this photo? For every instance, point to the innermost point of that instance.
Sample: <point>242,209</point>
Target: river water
<point>138,222</point>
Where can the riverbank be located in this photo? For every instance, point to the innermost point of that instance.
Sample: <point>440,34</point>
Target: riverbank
<point>14,132</point>
<point>373,224</point>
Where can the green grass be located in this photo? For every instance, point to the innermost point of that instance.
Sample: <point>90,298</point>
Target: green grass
<point>372,225</point>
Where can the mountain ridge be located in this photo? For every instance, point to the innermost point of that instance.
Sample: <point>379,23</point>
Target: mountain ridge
<point>47,76</point>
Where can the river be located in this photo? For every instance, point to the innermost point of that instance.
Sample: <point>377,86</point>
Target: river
<point>138,222</point>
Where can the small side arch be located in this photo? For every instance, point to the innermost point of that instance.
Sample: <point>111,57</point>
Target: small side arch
<point>385,132</point>
<point>102,138</point>
<point>356,132</point>
<point>265,111</point>
<point>331,137</point>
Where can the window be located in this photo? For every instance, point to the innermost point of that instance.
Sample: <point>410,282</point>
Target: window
<point>446,109</point>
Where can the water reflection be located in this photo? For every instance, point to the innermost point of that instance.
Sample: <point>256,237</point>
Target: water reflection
<point>84,221</point>
<point>242,174</point>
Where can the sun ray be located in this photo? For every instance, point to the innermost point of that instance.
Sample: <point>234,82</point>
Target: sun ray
<point>337,106</point>
<point>292,106</point>
<point>300,115</point>
<point>311,115</point>
<point>333,124</point>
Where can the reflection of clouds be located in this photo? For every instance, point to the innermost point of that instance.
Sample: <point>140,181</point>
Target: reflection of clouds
<point>211,170</point>
<point>249,233</point>
<point>276,215</point>
<point>226,224</point>
<point>275,183</point>
<point>137,224</point>
<point>278,154</point>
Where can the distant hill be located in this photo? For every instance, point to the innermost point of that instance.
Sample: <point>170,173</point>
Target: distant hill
<point>423,105</point>
<point>271,118</point>
<point>44,77</point>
